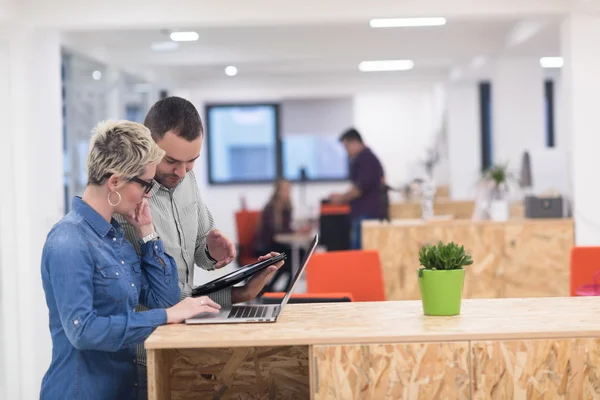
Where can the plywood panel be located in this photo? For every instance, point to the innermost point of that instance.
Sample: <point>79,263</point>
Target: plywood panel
<point>240,373</point>
<point>536,369</point>
<point>536,259</point>
<point>399,246</point>
<point>159,366</point>
<point>517,258</point>
<point>392,371</point>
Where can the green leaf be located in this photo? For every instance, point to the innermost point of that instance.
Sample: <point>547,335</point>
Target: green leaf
<point>444,256</point>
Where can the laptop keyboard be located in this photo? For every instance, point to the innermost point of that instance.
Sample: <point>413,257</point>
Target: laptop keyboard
<point>248,312</point>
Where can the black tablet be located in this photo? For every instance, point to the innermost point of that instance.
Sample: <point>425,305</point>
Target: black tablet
<point>236,276</point>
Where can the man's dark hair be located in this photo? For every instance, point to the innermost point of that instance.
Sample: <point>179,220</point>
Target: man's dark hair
<point>351,135</point>
<point>174,114</point>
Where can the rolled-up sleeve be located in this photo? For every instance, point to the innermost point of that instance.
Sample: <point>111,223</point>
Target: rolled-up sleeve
<point>68,272</point>
<point>160,285</point>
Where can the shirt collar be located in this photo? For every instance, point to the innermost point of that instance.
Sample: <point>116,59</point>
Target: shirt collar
<point>96,221</point>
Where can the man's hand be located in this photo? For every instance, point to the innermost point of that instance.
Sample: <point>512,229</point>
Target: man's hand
<point>242,294</point>
<point>220,248</point>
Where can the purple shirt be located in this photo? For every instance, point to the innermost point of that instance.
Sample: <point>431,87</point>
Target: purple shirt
<point>366,173</point>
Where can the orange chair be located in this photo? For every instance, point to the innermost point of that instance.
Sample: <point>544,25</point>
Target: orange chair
<point>276,297</point>
<point>354,271</point>
<point>585,262</point>
<point>247,226</point>
<point>334,209</point>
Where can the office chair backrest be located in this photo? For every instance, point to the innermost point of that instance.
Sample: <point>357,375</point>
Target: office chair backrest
<point>353,271</point>
<point>247,226</point>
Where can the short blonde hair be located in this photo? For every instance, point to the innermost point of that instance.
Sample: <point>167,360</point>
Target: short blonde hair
<point>121,148</point>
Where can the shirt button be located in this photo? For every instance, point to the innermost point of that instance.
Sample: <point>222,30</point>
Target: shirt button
<point>114,239</point>
<point>76,322</point>
<point>117,273</point>
<point>135,384</point>
<point>155,247</point>
<point>122,262</point>
<point>132,284</point>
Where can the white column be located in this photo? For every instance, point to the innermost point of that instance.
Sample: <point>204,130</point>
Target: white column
<point>581,85</point>
<point>464,140</point>
<point>517,110</point>
<point>31,200</point>
<point>115,105</point>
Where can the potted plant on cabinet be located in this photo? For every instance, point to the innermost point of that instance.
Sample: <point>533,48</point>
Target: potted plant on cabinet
<point>441,277</point>
<point>497,176</point>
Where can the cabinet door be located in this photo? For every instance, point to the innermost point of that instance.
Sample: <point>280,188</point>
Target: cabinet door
<point>391,371</point>
<point>536,369</point>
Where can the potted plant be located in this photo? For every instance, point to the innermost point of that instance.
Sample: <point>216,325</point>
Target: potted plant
<point>441,277</point>
<point>498,176</point>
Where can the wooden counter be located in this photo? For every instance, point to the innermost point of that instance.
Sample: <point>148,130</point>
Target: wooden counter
<point>459,209</point>
<point>497,348</point>
<point>516,258</point>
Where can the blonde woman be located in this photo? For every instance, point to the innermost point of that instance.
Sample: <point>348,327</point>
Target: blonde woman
<point>93,278</point>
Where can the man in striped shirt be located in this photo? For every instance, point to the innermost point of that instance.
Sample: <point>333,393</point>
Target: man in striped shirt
<point>181,218</point>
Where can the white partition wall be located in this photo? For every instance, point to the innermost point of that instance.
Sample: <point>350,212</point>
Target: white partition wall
<point>581,88</point>
<point>31,200</point>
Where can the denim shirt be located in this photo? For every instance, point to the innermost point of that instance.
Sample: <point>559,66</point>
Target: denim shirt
<point>93,280</point>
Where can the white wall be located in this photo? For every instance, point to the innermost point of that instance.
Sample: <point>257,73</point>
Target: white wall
<point>464,139</point>
<point>31,159</point>
<point>581,86</point>
<point>398,126</point>
<point>518,115</point>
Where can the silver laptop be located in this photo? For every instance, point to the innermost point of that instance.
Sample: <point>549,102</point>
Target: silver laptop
<point>258,312</point>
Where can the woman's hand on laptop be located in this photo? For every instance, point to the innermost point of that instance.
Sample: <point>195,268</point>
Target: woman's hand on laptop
<point>190,307</point>
<point>242,294</point>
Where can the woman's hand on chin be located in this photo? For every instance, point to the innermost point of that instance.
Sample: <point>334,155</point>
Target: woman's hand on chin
<point>141,219</point>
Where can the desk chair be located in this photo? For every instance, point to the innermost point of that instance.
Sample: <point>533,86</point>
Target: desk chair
<point>585,262</point>
<point>247,225</point>
<point>354,271</point>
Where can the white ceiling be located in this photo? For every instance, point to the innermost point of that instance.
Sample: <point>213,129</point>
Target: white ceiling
<point>320,50</point>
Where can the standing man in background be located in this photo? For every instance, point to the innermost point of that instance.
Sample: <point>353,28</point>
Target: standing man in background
<point>367,177</point>
<point>181,218</point>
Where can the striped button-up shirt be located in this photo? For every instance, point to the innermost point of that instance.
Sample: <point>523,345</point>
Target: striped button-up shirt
<point>182,221</point>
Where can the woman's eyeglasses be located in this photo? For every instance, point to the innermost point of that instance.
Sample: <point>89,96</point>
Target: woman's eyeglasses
<point>145,184</point>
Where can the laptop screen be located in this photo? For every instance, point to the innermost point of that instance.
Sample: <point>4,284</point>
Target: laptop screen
<point>309,253</point>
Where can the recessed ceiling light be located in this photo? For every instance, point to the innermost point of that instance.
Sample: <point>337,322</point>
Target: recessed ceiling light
<point>164,46</point>
<point>552,62</point>
<point>386,65</point>
<point>231,71</point>
<point>478,62</point>
<point>406,22</point>
<point>184,36</point>
<point>97,75</point>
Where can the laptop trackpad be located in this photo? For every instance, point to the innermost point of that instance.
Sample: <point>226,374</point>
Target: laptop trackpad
<point>221,314</point>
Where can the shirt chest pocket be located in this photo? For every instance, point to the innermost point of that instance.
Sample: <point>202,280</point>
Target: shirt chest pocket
<point>115,284</point>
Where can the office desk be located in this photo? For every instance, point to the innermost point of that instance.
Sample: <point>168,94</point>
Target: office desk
<point>515,258</point>
<point>497,348</point>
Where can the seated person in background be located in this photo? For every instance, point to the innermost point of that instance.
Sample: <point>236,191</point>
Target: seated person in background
<point>276,218</point>
<point>93,278</point>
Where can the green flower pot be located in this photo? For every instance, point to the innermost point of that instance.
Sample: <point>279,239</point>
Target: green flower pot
<point>441,291</point>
